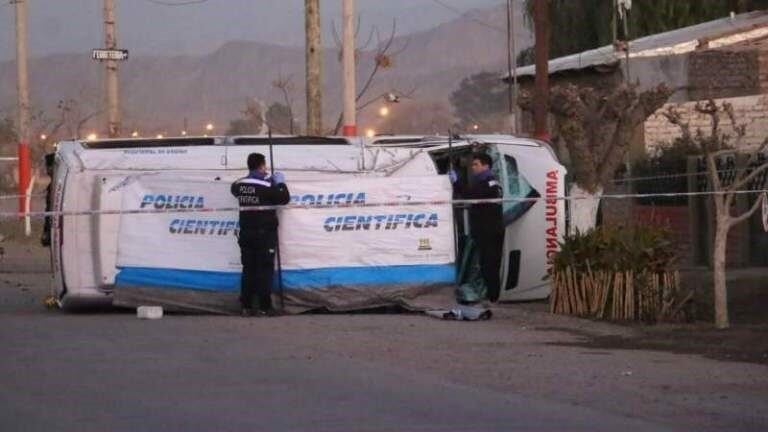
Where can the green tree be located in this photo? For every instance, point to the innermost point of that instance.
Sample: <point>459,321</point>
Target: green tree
<point>580,25</point>
<point>481,100</point>
<point>576,25</point>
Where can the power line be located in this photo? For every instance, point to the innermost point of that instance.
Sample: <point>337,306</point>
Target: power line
<point>463,14</point>
<point>681,175</point>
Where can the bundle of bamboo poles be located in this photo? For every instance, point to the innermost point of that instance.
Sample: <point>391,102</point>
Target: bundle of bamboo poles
<point>619,295</point>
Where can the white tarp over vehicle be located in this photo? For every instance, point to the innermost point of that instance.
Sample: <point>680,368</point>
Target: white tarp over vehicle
<point>338,258</point>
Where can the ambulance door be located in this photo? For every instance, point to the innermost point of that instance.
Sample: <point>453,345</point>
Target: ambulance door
<point>524,265</point>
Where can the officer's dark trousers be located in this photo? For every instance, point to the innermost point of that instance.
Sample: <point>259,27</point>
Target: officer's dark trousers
<point>257,253</point>
<point>489,247</point>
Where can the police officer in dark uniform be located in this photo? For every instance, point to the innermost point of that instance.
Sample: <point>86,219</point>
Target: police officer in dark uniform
<point>258,233</point>
<point>485,220</point>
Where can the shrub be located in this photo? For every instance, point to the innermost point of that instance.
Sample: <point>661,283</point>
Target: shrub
<point>621,273</point>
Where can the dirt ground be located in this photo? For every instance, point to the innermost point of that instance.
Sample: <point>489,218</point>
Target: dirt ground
<point>689,376</point>
<point>746,340</point>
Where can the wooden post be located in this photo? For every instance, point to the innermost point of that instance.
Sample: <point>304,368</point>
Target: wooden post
<point>22,87</point>
<point>541,93</point>
<point>348,68</point>
<point>314,68</point>
<point>112,81</point>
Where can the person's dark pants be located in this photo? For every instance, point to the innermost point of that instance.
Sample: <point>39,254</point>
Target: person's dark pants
<point>490,246</point>
<point>257,253</point>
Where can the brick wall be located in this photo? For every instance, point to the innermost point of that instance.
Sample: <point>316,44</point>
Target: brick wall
<point>676,219</point>
<point>621,212</point>
<point>749,110</point>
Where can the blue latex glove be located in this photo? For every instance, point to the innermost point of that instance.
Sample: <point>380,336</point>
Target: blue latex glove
<point>453,176</point>
<point>278,178</point>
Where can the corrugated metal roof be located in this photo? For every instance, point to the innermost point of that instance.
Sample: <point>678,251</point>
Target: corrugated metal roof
<point>722,32</point>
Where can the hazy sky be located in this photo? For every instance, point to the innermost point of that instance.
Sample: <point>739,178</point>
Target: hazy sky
<point>145,27</point>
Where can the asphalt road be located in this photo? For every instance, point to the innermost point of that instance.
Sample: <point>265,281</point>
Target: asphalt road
<point>113,372</point>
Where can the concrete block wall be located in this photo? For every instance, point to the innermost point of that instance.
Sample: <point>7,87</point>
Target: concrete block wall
<point>723,73</point>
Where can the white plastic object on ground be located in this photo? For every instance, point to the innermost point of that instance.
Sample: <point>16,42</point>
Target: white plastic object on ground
<point>149,312</point>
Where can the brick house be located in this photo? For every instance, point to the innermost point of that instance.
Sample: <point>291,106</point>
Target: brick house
<point>725,59</point>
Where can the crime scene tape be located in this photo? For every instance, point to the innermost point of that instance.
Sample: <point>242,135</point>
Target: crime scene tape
<point>456,203</point>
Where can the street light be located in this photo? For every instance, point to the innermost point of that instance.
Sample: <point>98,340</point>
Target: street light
<point>209,127</point>
<point>384,111</point>
<point>92,136</point>
<point>43,137</point>
<point>134,134</point>
<point>475,127</point>
<point>370,133</point>
<point>183,133</point>
<point>159,136</point>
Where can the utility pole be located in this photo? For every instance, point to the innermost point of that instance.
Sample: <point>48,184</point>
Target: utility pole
<point>541,93</point>
<point>348,65</point>
<point>112,83</point>
<point>511,67</point>
<point>314,64</point>
<point>22,88</point>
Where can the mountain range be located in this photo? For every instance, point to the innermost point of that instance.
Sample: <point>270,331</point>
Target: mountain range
<point>167,94</point>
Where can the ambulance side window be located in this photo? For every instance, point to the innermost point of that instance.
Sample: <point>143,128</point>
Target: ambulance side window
<point>516,186</point>
<point>513,180</point>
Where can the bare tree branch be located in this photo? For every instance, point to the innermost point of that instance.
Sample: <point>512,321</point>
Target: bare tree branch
<point>713,175</point>
<point>335,34</point>
<point>737,185</point>
<point>676,118</point>
<point>84,120</point>
<point>60,123</point>
<point>713,145</point>
<point>382,60</point>
<point>285,85</point>
<point>401,94</point>
<point>737,220</point>
<point>597,127</point>
<point>367,43</point>
<point>739,129</point>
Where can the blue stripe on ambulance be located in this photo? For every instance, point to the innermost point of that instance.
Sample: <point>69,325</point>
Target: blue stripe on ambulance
<point>305,279</point>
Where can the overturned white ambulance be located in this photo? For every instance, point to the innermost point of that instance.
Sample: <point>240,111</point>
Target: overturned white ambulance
<point>371,222</point>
